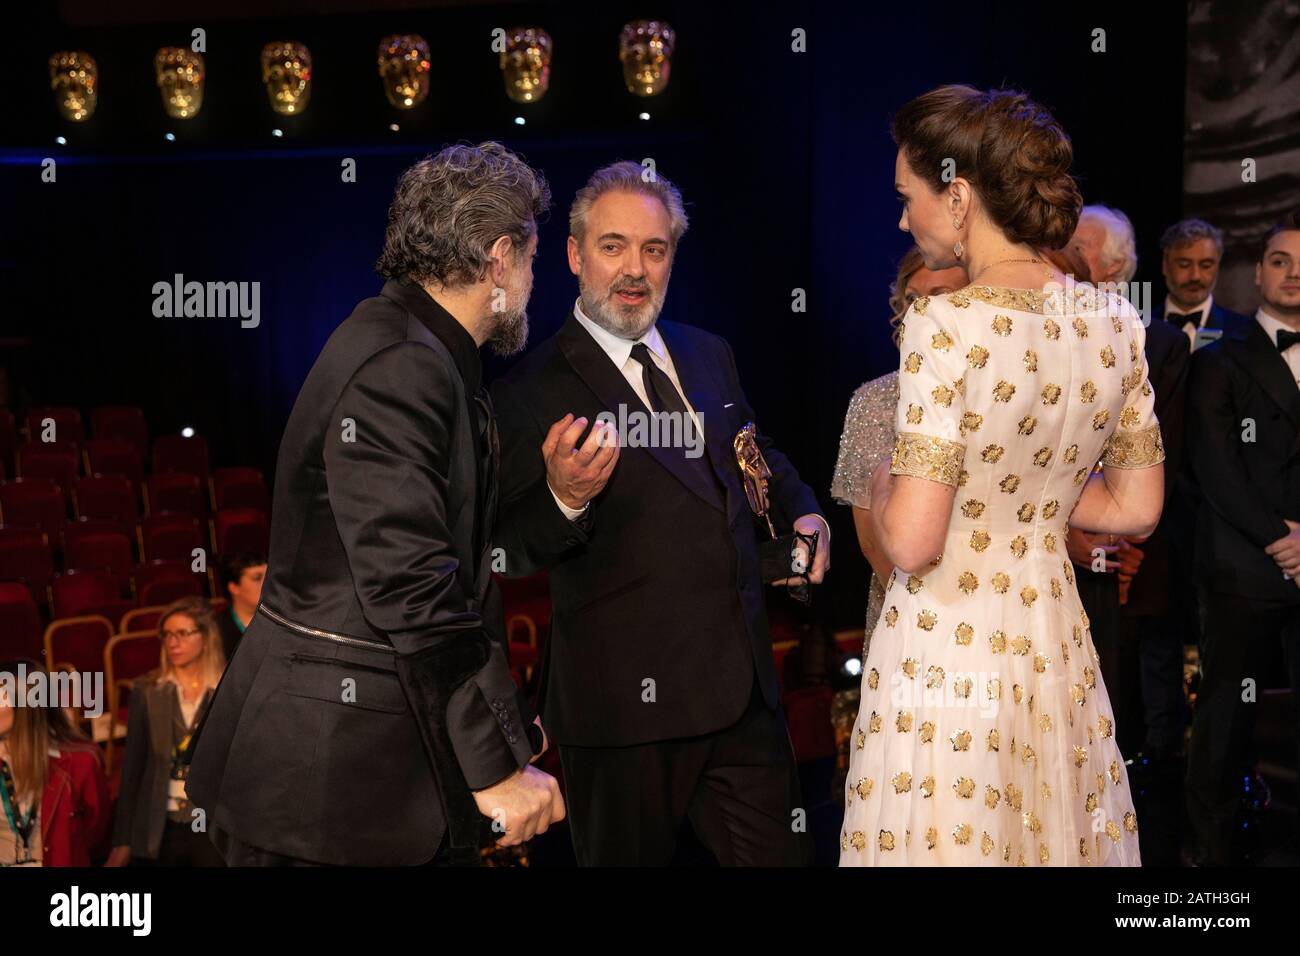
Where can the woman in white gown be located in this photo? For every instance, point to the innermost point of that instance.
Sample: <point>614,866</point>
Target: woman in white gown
<point>985,736</point>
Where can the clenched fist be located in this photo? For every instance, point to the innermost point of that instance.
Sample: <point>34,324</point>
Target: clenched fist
<point>522,805</point>
<point>576,475</point>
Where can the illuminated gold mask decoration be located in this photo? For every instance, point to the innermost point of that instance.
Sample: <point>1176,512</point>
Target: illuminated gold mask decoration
<point>526,64</point>
<point>74,77</point>
<point>646,49</point>
<point>286,71</point>
<point>180,75</point>
<point>404,68</point>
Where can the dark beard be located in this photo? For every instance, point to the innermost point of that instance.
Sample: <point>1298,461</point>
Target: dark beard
<point>509,334</point>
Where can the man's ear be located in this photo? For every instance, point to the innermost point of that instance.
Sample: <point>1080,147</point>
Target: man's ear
<point>575,255</point>
<point>498,253</point>
<point>1259,274</point>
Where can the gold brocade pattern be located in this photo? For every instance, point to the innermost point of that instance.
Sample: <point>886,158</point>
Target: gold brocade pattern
<point>1139,449</point>
<point>984,722</point>
<point>924,456</point>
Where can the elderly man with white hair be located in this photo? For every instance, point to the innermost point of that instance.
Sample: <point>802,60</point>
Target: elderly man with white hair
<point>1104,240</point>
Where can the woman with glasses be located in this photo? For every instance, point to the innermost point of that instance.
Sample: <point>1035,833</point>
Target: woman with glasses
<point>155,822</point>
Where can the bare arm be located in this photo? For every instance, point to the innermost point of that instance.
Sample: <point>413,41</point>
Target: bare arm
<point>1124,501</point>
<point>910,518</point>
<point>871,549</point>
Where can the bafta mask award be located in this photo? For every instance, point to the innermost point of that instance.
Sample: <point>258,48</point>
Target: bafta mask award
<point>526,64</point>
<point>74,77</point>
<point>180,76</point>
<point>286,71</point>
<point>404,67</point>
<point>645,48</point>
<point>779,558</point>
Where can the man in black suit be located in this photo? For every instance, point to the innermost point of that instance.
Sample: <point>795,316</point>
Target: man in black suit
<point>370,716</point>
<point>659,684</point>
<point>1244,442</point>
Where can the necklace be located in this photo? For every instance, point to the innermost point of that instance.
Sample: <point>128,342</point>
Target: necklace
<point>1002,262</point>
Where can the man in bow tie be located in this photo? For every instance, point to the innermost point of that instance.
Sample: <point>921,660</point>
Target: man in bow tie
<point>1192,250</point>
<point>1244,443</point>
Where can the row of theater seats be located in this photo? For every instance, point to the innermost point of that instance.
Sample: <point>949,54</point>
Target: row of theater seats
<point>86,532</point>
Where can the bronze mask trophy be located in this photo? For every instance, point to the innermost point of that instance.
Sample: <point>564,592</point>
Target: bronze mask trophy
<point>780,557</point>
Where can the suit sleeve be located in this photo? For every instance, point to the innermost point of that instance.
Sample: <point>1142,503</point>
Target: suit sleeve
<point>1171,371</point>
<point>534,533</point>
<point>787,492</point>
<point>1136,441</point>
<point>931,422</point>
<point>388,470</point>
<point>1216,450</point>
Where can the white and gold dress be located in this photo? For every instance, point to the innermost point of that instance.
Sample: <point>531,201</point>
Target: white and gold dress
<point>985,736</point>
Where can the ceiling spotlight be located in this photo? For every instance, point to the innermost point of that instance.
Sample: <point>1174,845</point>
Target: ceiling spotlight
<point>853,666</point>
<point>61,140</point>
<point>277,133</point>
<point>394,127</point>
<point>187,432</point>
<point>520,121</point>
<point>643,116</point>
<point>170,137</point>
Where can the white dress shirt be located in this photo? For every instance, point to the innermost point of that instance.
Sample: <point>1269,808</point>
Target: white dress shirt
<point>1271,326</point>
<point>619,351</point>
<point>1204,308</point>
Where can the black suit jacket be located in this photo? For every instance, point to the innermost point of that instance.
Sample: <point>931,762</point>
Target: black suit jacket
<point>365,752</point>
<point>1247,487</point>
<point>1168,364</point>
<point>659,624</point>
<point>1219,318</point>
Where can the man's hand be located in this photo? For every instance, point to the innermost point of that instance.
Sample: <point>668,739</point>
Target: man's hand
<point>1079,545</point>
<point>576,475</point>
<point>1286,551</point>
<point>522,805</point>
<point>822,561</point>
<point>119,856</point>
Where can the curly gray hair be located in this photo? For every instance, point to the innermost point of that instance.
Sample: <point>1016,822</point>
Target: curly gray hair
<point>450,208</point>
<point>627,176</point>
<point>1120,245</point>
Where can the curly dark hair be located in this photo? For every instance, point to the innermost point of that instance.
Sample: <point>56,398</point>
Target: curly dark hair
<point>450,208</point>
<point>1015,155</point>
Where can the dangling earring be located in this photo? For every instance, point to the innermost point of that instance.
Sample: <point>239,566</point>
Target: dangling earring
<point>958,249</point>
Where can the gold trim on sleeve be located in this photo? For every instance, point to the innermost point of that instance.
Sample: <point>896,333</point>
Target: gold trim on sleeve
<point>925,456</point>
<point>1137,449</point>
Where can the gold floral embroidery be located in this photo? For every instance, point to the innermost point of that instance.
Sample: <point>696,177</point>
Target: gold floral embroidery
<point>1022,300</point>
<point>1050,509</point>
<point>977,356</point>
<point>1010,483</point>
<point>1070,454</point>
<point>992,453</point>
<point>972,508</point>
<point>970,422</point>
<point>913,362</point>
<point>1025,512</point>
<point>979,540</point>
<point>998,642</point>
<point>941,341</point>
<point>1108,357</point>
<point>1129,417</point>
<point>1002,324</point>
<point>1001,581</point>
<point>1051,329</point>
<point>914,414</point>
<point>1139,449</point>
<point>1028,424</point>
<point>967,582</point>
<point>1003,391</point>
<point>1087,391</point>
<point>1051,393</point>
<point>926,620</point>
<point>943,395</point>
<point>1019,546</point>
<point>921,304</point>
<point>914,584</point>
<point>1031,360</point>
<point>1042,457</point>
<point>1080,327</point>
<point>964,633</point>
<point>1100,419</point>
<point>925,456</point>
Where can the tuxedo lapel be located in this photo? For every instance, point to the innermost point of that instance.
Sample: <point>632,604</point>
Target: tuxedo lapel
<point>595,368</point>
<point>1269,369</point>
<point>702,392</point>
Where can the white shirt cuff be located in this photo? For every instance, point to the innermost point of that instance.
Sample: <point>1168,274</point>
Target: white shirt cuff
<point>573,514</point>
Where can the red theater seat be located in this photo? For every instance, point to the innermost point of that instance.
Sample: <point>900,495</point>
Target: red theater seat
<point>25,559</point>
<point>20,623</point>
<point>169,537</point>
<point>178,453</point>
<point>106,496</point>
<point>241,529</point>
<point>34,502</point>
<point>177,491</point>
<point>113,456</point>
<point>124,422</point>
<point>66,423</point>
<point>239,488</point>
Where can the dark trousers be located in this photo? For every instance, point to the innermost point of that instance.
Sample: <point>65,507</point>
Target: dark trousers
<point>1160,662</point>
<point>738,787</point>
<point>239,853</point>
<point>182,846</point>
<point>1235,640</point>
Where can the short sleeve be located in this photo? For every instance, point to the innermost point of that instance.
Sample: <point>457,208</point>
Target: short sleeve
<point>1136,441</point>
<point>931,390</point>
<point>868,439</point>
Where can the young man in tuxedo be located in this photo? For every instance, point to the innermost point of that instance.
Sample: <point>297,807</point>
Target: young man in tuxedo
<point>659,684</point>
<point>1244,442</point>
<point>370,717</point>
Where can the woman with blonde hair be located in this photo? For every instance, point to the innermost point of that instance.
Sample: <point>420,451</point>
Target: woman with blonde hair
<point>154,816</point>
<point>52,786</point>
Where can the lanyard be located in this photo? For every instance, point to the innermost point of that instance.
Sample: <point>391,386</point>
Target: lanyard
<point>22,828</point>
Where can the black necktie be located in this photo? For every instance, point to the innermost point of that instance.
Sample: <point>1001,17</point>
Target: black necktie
<point>662,396</point>
<point>1286,339</point>
<point>1181,320</point>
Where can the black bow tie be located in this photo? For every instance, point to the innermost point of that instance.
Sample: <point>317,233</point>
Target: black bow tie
<point>1286,339</point>
<point>1181,320</point>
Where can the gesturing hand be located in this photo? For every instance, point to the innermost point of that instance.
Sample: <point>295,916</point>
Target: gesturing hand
<point>576,475</point>
<point>1286,551</point>
<point>522,805</point>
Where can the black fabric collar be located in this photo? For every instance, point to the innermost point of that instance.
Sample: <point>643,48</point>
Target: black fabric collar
<point>464,351</point>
